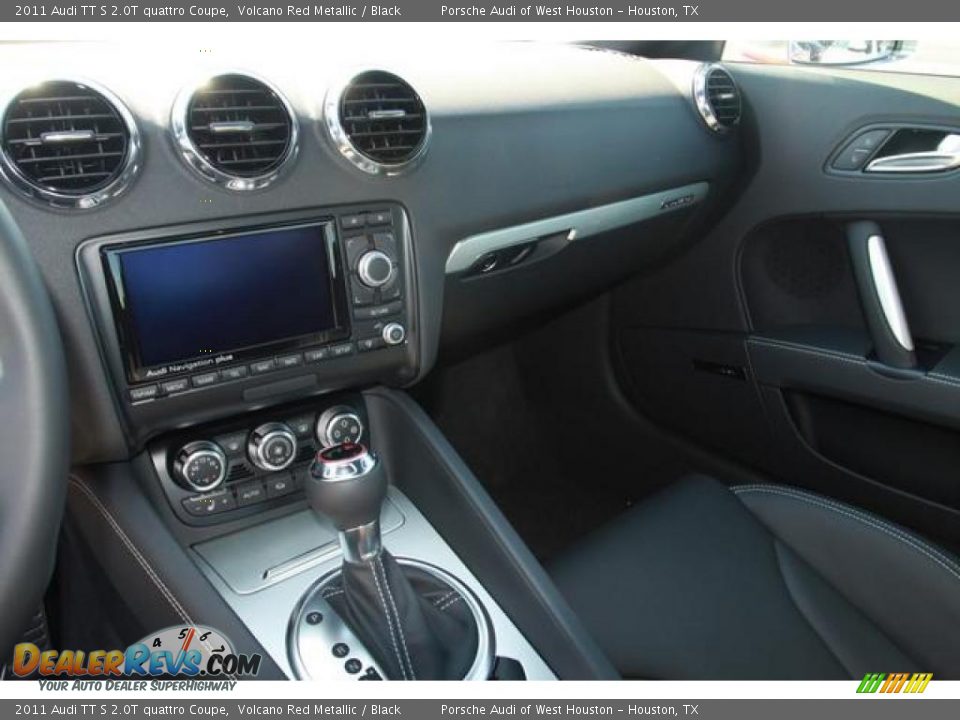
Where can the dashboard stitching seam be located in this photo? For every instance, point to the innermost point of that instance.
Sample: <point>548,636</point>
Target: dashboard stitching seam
<point>842,356</point>
<point>131,548</point>
<point>94,500</point>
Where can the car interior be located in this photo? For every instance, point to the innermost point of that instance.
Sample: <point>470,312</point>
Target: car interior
<point>503,361</point>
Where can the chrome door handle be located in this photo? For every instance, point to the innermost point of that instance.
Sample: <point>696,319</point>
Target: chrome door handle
<point>922,162</point>
<point>945,157</point>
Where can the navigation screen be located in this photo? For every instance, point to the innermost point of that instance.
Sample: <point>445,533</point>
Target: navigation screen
<point>196,298</point>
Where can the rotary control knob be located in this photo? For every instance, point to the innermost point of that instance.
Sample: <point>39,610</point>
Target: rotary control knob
<point>375,268</point>
<point>394,333</point>
<point>200,466</point>
<point>337,425</point>
<point>272,446</point>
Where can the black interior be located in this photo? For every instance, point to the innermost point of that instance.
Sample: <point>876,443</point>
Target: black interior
<point>571,387</point>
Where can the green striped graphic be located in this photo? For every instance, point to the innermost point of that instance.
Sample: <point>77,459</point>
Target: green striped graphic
<point>871,682</point>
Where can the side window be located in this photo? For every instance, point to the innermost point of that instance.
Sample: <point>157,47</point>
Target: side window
<point>922,57</point>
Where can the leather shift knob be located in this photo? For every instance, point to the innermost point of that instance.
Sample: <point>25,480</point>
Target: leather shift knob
<point>347,483</point>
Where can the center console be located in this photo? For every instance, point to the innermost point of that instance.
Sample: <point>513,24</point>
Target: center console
<point>249,360</point>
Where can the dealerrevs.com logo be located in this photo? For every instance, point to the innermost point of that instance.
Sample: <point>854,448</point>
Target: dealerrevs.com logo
<point>177,651</point>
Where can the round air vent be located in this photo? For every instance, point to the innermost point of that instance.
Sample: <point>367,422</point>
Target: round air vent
<point>235,130</point>
<point>69,144</point>
<point>717,97</point>
<point>378,122</point>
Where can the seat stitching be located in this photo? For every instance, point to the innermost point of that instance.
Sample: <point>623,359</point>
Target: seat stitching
<point>403,640</point>
<point>131,547</point>
<point>386,612</point>
<point>908,540</point>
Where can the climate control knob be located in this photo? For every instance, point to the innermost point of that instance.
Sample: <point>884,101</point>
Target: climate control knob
<point>272,446</point>
<point>338,425</point>
<point>200,466</point>
<point>375,268</point>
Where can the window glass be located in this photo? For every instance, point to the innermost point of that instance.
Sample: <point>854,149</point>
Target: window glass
<point>926,57</point>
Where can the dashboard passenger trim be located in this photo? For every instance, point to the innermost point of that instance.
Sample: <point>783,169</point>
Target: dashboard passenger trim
<point>578,225</point>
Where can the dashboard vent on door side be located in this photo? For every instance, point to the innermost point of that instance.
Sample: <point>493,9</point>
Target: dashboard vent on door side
<point>717,97</point>
<point>378,122</point>
<point>235,130</point>
<point>69,144</point>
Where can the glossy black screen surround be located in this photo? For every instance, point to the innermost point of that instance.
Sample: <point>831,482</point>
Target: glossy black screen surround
<point>186,303</point>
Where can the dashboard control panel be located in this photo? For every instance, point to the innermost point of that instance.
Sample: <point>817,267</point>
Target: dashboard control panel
<point>228,470</point>
<point>334,306</point>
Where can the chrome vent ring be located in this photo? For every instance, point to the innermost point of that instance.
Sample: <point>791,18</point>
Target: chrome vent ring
<point>717,97</point>
<point>235,130</point>
<point>378,122</point>
<point>69,144</point>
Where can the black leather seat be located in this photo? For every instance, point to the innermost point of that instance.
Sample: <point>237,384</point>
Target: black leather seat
<point>763,582</point>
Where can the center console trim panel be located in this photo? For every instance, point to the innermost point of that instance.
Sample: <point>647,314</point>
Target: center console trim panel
<point>267,612</point>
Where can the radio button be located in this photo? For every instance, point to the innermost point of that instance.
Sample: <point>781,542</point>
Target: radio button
<point>391,291</point>
<point>289,361</point>
<point>361,294</point>
<point>171,387</point>
<point>316,355</point>
<point>356,246</point>
<point>381,217</point>
<point>144,392</point>
<point>205,379</point>
<point>377,311</point>
<point>351,222</point>
<point>386,243</point>
<point>234,373</point>
<point>341,350</point>
<point>263,366</point>
<point>368,344</point>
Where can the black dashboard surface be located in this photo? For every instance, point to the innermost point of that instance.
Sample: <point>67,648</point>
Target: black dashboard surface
<point>520,132</point>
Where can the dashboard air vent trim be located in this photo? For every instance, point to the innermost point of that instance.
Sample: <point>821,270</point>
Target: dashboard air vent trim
<point>717,97</point>
<point>235,125</point>
<point>399,112</point>
<point>80,142</point>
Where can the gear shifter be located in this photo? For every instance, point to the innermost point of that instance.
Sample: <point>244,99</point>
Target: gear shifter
<point>417,625</point>
<point>348,485</point>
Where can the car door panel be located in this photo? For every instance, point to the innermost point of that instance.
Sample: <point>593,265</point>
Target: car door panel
<point>775,277</point>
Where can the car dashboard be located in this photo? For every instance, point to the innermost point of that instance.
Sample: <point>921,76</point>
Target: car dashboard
<point>449,195</point>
